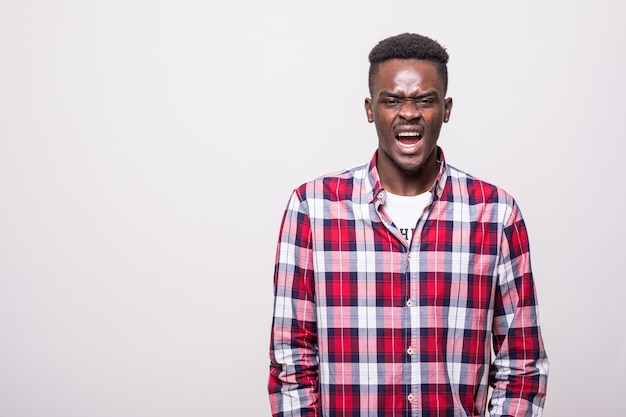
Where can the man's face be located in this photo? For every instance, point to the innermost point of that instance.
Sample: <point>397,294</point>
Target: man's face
<point>408,107</point>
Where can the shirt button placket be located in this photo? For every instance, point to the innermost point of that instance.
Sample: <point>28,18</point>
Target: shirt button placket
<point>411,302</point>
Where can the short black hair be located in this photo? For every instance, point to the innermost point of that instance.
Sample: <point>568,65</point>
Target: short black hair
<point>409,46</point>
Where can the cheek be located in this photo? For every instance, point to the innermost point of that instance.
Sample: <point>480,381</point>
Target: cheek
<point>384,120</point>
<point>435,121</point>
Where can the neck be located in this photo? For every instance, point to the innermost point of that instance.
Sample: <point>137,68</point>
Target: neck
<point>408,182</point>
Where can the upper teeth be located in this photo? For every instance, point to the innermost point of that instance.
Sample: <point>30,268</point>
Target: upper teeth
<point>402,134</point>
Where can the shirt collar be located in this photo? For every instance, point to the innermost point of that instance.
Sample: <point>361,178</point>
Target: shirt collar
<point>436,189</point>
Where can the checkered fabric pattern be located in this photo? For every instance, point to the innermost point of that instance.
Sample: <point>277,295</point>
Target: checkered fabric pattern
<point>365,325</point>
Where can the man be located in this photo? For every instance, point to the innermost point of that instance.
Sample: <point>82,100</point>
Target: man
<point>395,280</point>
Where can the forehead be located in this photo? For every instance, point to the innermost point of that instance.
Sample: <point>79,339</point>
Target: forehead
<point>412,74</point>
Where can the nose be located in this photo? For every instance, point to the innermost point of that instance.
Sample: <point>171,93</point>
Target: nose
<point>409,110</point>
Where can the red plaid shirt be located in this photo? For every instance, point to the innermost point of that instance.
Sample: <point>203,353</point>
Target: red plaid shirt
<point>367,324</point>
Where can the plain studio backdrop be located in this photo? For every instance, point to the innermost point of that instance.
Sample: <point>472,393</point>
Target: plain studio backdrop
<point>148,149</point>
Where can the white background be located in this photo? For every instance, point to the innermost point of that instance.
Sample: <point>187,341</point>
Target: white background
<point>148,148</point>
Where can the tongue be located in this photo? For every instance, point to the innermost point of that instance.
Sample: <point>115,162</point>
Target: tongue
<point>409,141</point>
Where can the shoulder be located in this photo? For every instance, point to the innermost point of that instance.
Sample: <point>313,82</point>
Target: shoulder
<point>477,191</point>
<point>338,185</point>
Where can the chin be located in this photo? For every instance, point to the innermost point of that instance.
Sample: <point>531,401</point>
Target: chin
<point>409,167</point>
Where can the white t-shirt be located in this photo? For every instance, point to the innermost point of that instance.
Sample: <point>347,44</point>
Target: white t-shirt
<point>405,211</point>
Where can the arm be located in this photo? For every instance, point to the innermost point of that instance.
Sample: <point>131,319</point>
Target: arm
<point>293,380</point>
<point>520,368</point>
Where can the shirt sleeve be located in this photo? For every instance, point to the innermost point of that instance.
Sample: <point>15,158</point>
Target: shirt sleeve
<point>293,378</point>
<point>519,371</point>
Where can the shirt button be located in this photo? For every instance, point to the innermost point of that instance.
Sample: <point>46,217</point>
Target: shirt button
<point>410,398</point>
<point>409,303</point>
<point>409,350</point>
<point>408,257</point>
<point>381,195</point>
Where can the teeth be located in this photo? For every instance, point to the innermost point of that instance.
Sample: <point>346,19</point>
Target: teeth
<point>408,134</point>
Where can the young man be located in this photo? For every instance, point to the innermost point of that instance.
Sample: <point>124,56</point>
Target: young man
<point>396,279</point>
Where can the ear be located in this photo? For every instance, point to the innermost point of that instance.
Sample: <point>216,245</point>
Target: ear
<point>447,109</point>
<point>368,110</point>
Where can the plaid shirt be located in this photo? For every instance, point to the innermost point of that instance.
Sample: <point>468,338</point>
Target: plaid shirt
<point>368,324</point>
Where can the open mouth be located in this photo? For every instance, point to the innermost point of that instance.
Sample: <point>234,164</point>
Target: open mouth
<point>408,138</point>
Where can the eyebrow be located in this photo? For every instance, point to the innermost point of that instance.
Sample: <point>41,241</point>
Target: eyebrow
<point>417,97</point>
